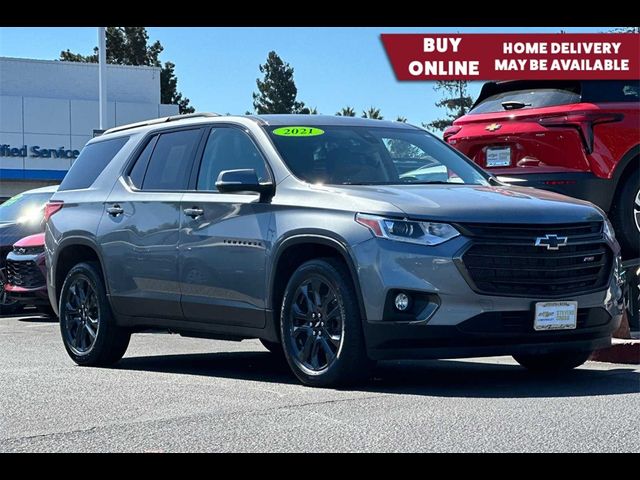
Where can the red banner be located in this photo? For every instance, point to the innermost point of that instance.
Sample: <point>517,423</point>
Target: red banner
<point>479,56</point>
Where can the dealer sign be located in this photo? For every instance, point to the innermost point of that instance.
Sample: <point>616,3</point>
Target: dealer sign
<point>37,151</point>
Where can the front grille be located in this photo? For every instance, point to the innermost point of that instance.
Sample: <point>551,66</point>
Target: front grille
<point>521,322</point>
<point>4,251</point>
<point>24,274</point>
<point>28,250</point>
<point>503,260</point>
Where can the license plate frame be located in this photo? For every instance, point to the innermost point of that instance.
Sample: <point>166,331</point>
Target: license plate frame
<point>498,157</point>
<point>558,315</point>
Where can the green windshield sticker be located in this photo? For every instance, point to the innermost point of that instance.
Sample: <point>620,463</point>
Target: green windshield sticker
<point>12,200</point>
<point>298,131</point>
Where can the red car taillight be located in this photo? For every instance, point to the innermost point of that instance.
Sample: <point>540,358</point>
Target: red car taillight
<point>450,131</point>
<point>52,207</point>
<point>583,122</point>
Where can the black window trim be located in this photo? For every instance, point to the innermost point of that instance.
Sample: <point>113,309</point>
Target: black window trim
<point>153,136</point>
<point>198,163</point>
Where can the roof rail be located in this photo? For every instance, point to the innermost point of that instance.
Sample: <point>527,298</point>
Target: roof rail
<point>155,121</point>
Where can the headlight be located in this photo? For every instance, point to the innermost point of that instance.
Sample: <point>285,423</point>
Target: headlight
<point>423,233</point>
<point>608,231</point>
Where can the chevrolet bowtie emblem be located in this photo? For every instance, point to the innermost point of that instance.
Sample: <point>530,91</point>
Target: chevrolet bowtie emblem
<point>493,127</point>
<point>551,242</point>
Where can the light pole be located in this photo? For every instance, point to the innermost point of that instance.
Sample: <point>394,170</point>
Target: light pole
<point>102,77</point>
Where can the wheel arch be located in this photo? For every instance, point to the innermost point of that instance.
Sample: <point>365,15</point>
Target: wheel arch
<point>70,252</point>
<point>317,245</point>
<point>625,165</point>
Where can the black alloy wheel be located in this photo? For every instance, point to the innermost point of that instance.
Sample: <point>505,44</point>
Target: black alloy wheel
<point>81,322</point>
<point>321,325</point>
<point>316,324</point>
<point>89,330</point>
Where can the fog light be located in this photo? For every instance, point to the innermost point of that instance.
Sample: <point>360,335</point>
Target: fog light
<point>402,301</point>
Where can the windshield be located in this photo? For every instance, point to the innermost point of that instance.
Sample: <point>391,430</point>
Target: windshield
<point>348,155</point>
<point>24,207</point>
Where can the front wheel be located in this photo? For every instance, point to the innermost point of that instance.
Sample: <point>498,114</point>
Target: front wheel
<point>321,326</point>
<point>89,332</point>
<point>553,362</point>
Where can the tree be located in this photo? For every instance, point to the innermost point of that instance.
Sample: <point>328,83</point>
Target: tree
<point>456,101</point>
<point>129,46</point>
<point>312,111</point>
<point>169,89</point>
<point>373,113</point>
<point>277,91</point>
<point>346,112</point>
<point>401,119</point>
<point>625,30</point>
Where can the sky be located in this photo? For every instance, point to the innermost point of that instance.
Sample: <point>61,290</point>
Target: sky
<point>217,67</point>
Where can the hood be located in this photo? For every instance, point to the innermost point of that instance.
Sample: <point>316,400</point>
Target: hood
<point>475,203</point>
<point>10,233</point>
<point>36,240</point>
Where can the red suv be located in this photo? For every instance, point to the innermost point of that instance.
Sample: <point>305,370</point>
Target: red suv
<point>580,138</point>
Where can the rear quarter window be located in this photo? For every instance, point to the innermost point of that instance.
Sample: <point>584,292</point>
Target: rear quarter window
<point>91,162</point>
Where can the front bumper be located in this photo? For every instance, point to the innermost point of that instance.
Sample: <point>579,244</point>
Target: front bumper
<point>465,323</point>
<point>31,270</point>
<point>28,296</point>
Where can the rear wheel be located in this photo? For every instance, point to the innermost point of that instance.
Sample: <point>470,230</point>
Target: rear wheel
<point>553,362</point>
<point>625,215</point>
<point>321,326</point>
<point>89,332</point>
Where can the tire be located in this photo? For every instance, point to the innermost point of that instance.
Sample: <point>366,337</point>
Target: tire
<point>319,354</point>
<point>623,215</point>
<point>111,341</point>
<point>553,362</point>
<point>273,347</point>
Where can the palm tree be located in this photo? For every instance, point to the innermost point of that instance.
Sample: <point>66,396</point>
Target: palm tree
<point>401,119</point>
<point>346,112</point>
<point>313,111</point>
<point>373,113</point>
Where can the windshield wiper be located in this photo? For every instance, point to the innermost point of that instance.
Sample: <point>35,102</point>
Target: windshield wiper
<point>514,105</point>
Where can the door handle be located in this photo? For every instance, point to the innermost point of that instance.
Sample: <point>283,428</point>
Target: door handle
<point>115,210</point>
<point>194,212</point>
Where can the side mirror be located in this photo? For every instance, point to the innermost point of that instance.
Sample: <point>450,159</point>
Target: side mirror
<point>242,181</point>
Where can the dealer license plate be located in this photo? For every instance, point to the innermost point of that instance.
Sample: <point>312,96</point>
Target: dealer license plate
<point>498,156</point>
<point>555,316</point>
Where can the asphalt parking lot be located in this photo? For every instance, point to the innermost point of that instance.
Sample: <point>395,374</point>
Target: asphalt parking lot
<point>178,394</point>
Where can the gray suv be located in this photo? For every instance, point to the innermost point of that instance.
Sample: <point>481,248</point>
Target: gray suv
<point>335,241</point>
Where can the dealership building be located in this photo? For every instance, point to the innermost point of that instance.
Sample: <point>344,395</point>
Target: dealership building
<point>49,110</point>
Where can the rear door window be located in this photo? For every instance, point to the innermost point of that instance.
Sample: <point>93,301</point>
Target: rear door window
<point>171,161</point>
<point>91,162</point>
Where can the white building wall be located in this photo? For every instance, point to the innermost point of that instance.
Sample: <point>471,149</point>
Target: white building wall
<point>53,104</point>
